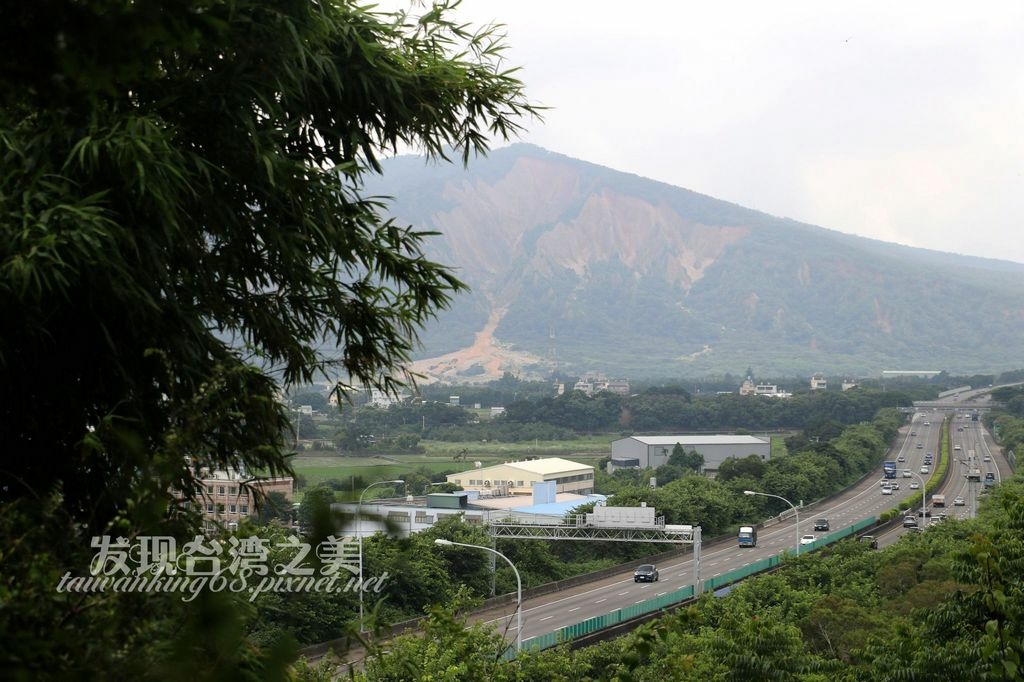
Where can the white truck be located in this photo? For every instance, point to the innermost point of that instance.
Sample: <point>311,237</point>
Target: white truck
<point>938,500</point>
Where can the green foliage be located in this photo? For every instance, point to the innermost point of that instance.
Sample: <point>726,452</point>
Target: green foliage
<point>275,506</point>
<point>183,234</point>
<point>824,412</point>
<point>937,605</point>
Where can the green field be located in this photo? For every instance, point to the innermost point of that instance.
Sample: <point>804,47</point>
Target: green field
<point>443,456</point>
<point>317,467</point>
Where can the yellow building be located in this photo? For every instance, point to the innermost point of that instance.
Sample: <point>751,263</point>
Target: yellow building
<point>517,478</point>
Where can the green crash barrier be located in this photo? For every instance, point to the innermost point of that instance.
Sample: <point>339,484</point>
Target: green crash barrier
<point>591,625</point>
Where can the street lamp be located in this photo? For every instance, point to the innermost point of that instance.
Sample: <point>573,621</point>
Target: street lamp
<point>359,533</point>
<point>796,514</point>
<point>924,499</point>
<point>519,585</point>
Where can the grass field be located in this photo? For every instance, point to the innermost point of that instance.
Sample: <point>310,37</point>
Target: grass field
<point>441,456</point>
<point>317,467</point>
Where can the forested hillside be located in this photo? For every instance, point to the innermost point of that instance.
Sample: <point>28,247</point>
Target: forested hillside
<point>575,267</point>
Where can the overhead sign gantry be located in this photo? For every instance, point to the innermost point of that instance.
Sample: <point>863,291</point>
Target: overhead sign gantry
<point>606,524</point>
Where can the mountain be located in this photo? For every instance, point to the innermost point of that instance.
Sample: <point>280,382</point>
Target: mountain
<point>579,268</point>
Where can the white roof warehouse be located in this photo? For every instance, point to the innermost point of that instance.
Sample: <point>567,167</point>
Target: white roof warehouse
<point>652,451</point>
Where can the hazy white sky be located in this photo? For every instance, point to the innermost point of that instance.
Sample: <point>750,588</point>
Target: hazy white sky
<point>892,120</point>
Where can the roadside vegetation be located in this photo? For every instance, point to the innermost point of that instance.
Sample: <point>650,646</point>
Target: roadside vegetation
<point>821,461</point>
<point>940,605</point>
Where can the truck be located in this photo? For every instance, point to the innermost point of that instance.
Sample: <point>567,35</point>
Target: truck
<point>974,474</point>
<point>889,468</point>
<point>747,536</point>
<point>990,479</point>
<point>938,500</point>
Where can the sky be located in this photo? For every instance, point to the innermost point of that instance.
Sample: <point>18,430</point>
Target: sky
<point>891,120</point>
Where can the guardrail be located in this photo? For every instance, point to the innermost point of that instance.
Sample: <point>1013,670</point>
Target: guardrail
<point>675,598</point>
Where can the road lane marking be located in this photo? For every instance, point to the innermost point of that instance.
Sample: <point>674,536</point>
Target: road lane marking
<point>601,600</point>
<point>547,617</point>
<point>575,609</point>
<point>621,594</point>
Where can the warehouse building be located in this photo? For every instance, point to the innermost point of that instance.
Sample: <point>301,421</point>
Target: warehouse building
<point>650,452</point>
<point>518,478</point>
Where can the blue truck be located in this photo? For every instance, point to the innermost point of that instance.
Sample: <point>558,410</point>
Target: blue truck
<point>889,468</point>
<point>747,536</point>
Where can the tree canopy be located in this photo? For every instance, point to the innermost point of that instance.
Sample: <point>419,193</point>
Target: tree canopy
<point>183,234</point>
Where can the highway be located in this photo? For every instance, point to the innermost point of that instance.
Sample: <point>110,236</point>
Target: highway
<point>972,437</point>
<point>551,612</point>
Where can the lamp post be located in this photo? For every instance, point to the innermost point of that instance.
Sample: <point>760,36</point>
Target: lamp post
<point>796,514</point>
<point>519,585</point>
<point>359,533</point>
<point>924,499</point>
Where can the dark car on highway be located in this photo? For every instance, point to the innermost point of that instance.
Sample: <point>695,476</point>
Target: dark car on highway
<point>821,524</point>
<point>645,574</point>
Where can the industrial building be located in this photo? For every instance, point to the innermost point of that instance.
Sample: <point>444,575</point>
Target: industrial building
<point>414,514</point>
<point>650,452</point>
<point>518,478</point>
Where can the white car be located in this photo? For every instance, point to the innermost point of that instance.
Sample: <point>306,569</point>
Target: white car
<point>958,502</point>
<point>915,485</point>
<point>807,539</point>
<point>956,447</point>
<point>925,470</point>
<point>887,490</point>
<point>986,458</point>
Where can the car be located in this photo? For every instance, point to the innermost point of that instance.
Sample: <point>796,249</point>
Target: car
<point>807,539</point>
<point>919,446</point>
<point>907,473</point>
<point>956,447</point>
<point>821,524</point>
<point>647,573</point>
<point>986,458</point>
<point>887,490</point>
<point>914,485</point>
<point>927,423</point>
<point>909,522</point>
<point>925,470</point>
<point>913,433</point>
<point>869,540</point>
<point>894,485</point>
<point>959,428</point>
<point>927,512</point>
<point>914,529</point>
<point>901,458</point>
<point>958,502</point>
